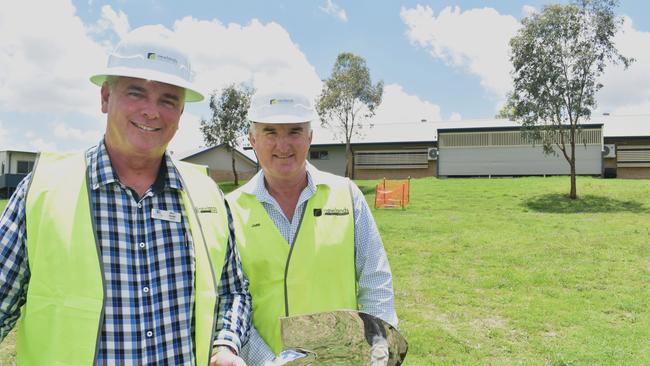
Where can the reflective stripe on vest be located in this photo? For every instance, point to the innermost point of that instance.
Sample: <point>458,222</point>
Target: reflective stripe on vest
<point>316,274</point>
<point>61,321</point>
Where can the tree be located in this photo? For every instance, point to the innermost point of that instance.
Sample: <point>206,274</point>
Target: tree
<point>558,56</point>
<point>348,98</point>
<point>228,124</point>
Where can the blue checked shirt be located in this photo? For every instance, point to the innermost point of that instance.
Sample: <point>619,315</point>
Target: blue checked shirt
<point>372,269</point>
<point>148,271</point>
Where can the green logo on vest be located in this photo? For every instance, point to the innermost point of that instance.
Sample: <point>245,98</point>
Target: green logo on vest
<point>336,212</point>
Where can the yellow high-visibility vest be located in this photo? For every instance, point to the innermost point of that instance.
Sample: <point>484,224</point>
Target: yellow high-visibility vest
<point>316,274</point>
<point>61,321</point>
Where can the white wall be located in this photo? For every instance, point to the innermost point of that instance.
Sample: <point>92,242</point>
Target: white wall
<point>517,160</point>
<point>11,158</point>
<point>335,163</point>
<point>220,159</point>
<point>3,162</point>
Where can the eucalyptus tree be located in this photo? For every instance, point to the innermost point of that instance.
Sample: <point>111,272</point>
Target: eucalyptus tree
<point>228,123</point>
<point>558,56</point>
<point>348,100</point>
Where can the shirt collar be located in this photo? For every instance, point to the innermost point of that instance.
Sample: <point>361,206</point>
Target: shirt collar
<point>102,173</point>
<point>257,188</point>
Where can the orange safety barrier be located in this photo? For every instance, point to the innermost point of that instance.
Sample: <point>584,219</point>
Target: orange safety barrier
<point>392,193</point>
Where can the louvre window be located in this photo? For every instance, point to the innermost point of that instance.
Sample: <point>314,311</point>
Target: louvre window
<point>632,156</point>
<point>508,138</point>
<point>391,159</point>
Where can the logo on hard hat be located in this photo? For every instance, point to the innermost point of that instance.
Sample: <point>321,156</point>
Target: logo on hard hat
<point>156,57</point>
<point>278,101</point>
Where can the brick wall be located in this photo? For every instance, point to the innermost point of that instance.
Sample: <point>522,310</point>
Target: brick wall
<point>633,173</point>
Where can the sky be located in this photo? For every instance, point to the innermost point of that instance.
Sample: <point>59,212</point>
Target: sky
<point>444,62</point>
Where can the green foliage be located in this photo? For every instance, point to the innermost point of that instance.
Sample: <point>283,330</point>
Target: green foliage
<point>558,56</point>
<point>348,99</point>
<point>229,123</point>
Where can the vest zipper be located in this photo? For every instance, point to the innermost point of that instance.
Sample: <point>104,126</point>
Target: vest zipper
<point>286,268</point>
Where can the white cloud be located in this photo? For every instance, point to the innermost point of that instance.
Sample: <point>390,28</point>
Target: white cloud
<point>188,137</point>
<point>398,118</point>
<point>63,131</point>
<point>455,117</point>
<point>628,91</point>
<point>113,21</point>
<point>398,106</point>
<point>40,144</point>
<point>3,135</point>
<point>528,10</point>
<point>475,40</point>
<point>46,59</point>
<point>48,56</point>
<point>333,9</point>
<point>262,55</point>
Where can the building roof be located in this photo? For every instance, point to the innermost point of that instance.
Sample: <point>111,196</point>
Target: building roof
<point>422,132</point>
<point>187,155</point>
<point>19,151</point>
<point>506,128</point>
<point>389,143</point>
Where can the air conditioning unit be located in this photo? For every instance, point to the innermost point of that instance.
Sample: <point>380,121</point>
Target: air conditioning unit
<point>609,151</point>
<point>432,153</point>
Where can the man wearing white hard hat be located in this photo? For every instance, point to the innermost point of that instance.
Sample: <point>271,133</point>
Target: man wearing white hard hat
<point>120,255</point>
<point>307,239</point>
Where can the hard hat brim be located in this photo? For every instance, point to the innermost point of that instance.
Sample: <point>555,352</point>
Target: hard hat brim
<point>191,91</point>
<point>280,118</point>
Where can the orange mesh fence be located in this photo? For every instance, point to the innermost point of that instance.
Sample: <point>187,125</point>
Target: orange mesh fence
<point>392,193</point>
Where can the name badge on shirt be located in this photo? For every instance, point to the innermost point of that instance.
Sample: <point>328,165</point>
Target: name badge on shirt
<point>165,215</point>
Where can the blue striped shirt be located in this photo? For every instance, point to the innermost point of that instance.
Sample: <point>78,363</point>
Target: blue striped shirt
<point>372,269</point>
<point>148,270</point>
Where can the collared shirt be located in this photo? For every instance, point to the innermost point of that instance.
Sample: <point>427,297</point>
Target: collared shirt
<point>372,269</point>
<point>148,270</point>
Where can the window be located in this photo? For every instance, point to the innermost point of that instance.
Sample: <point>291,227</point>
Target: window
<point>392,159</point>
<point>510,138</point>
<point>633,156</point>
<point>319,155</point>
<point>24,167</point>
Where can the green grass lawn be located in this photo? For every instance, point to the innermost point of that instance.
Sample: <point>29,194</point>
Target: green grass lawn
<point>510,272</point>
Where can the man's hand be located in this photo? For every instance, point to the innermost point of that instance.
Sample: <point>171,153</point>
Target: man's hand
<point>226,357</point>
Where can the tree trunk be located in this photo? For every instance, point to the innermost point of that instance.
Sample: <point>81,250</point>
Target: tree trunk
<point>234,171</point>
<point>348,161</point>
<point>573,194</point>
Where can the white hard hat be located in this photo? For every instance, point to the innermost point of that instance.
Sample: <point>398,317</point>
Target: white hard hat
<point>280,108</point>
<point>149,53</point>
